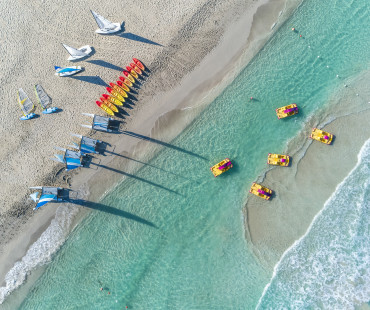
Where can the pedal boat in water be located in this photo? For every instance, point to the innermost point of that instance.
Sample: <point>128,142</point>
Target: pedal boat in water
<point>278,160</point>
<point>261,191</point>
<point>321,136</point>
<point>286,111</point>
<point>221,167</point>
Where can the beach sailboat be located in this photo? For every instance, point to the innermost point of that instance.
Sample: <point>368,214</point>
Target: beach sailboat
<point>67,71</point>
<point>44,100</point>
<point>86,145</point>
<point>71,159</point>
<point>75,53</point>
<point>105,26</point>
<point>101,123</point>
<point>26,105</point>
<point>48,194</point>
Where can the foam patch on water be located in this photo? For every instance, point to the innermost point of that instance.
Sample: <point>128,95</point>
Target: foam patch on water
<point>329,267</point>
<point>41,251</point>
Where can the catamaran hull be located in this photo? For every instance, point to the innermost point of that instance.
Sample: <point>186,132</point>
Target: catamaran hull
<point>28,116</point>
<point>85,49</point>
<point>116,29</point>
<point>77,69</point>
<point>50,110</point>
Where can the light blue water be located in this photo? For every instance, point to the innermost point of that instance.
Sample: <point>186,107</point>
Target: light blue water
<point>185,247</point>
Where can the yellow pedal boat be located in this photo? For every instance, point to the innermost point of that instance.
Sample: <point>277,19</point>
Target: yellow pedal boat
<point>321,136</point>
<point>261,191</point>
<point>287,111</point>
<point>221,167</point>
<point>278,160</point>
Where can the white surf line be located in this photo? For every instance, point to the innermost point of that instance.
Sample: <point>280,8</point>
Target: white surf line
<point>297,242</point>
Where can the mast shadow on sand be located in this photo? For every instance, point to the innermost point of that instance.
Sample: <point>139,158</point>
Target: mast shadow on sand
<point>90,79</point>
<point>135,37</point>
<point>105,64</point>
<point>111,210</point>
<point>137,178</point>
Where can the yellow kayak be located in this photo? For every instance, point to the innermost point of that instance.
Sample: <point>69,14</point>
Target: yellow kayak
<point>123,86</point>
<point>118,89</point>
<point>115,101</point>
<point>129,76</point>
<point>126,81</point>
<point>115,94</point>
<point>104,108</point>
<point>132,72</point>
<point>109,104</point>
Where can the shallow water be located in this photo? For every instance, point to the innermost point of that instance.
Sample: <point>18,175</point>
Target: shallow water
<point>174,237</point>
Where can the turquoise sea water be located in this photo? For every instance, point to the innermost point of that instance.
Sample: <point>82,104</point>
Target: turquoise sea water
<point>174,238</point>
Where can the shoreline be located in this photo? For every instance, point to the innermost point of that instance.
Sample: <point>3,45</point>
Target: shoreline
<point>303,188</point>
<point>153,122</point>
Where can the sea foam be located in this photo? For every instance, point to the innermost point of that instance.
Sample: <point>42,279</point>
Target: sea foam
<point>41,251</point>
<point>329,267</point>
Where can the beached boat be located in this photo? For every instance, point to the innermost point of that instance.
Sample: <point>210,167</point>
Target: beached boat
<point>109,104</point>
<point>221,167</point>
<point>101,123</point>
<point>48,194</point>
<point>44,100</point>
<point>261,191</point>
<point>105,26</point>
<point>123,86</point>
<point>86,145</point>
<point>106,109</point>
<point>71,159</point>
<point>115,94</point>
<point>113,100</point>
<point>132,72</point>
<point>117,89</point>
<point>321,136</point>
<point>278,160</point>
<point>26,105</point>
<point>129,76</point>
<point>138,63</point>
<point>67,71</point>
<point>126,81</point>
<point>287,111</point>
<point>79,53</point>
<point>136,68</point>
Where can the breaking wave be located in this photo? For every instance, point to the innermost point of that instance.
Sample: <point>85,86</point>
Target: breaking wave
<point>329,267</point>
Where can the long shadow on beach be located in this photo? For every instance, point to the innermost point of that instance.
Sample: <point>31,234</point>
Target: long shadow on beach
<point>111,210</point>
<point>145,164</point>
<point>105,64</point>
<point>137,178</point>
<point>90,79</point>
<point>136,135</point>
<point>135,37</point>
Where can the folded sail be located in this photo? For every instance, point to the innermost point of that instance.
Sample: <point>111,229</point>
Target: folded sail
<point>44,199</point>
<point>102,22</point>
<point>42,96</point>
<point>73,51</point>
<point>26,104</point>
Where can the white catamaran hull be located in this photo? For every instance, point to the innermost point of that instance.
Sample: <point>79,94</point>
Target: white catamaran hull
<point>75,70</point>
<point>109,31</point>
<point>28,116</point>
<point>86,49</point>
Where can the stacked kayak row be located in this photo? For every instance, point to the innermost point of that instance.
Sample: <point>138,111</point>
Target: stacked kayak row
<point>118,91</point>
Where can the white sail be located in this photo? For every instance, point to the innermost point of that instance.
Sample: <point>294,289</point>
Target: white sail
<point>74,51</point>
<point>26,104</point>
<point>103,23</point>
<point>42,96</point>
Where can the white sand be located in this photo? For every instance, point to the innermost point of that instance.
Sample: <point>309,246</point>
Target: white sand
<point>173,46</point>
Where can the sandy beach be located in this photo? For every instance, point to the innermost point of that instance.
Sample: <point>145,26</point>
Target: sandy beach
<point>192,54</point>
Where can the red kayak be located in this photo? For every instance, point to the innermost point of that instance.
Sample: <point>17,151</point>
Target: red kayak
<point>132,72</point>
<point>129,76</point>
<point>138,63</point>
<point>126,81</point>
<point>136,68</point>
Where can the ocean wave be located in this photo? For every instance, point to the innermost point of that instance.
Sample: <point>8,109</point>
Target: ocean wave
<point>328,268</point>
<point>41,251</point>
